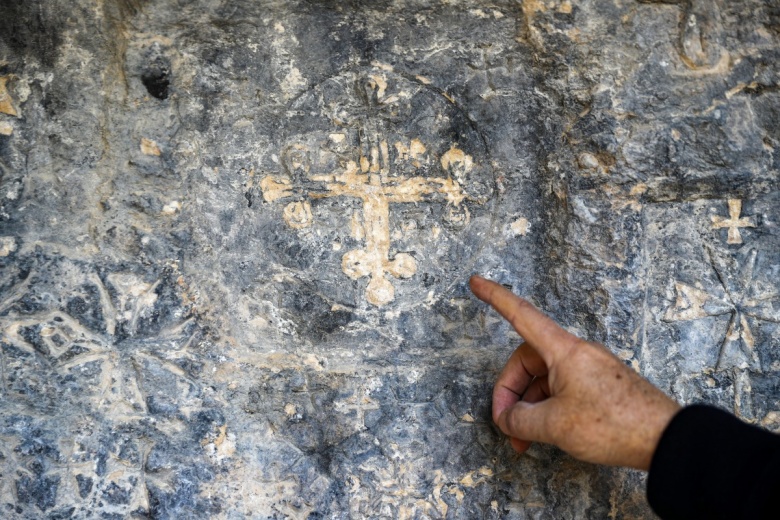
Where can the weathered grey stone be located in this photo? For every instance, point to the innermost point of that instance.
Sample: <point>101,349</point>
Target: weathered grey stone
<point>235,239</point>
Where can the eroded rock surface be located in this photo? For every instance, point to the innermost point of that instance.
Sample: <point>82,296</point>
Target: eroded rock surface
<point>235,239</point>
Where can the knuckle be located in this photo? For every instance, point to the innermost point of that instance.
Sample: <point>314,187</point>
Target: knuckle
<point>587,350</point>
<point>582,345</point>
<point>560,427</point>
<point>522,305</point>
<point>513,422</point>
<point>551,425</point>
<point>519,307</point>
<point>578,350</point>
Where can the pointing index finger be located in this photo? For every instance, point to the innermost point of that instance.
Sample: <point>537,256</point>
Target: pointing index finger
<point>539,331</point>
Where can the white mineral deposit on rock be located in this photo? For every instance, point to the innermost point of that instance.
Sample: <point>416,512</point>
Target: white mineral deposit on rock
<point>171,208</point>
<point>149,147</point>
<point>588,161</point>
<point>6,102</point>
<point>7,245</point>
<point>520,226</point>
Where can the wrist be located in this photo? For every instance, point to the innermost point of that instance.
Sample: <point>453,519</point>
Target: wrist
<point>658,422</point>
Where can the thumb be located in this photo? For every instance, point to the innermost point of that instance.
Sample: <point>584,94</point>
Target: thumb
<point>529,421</point>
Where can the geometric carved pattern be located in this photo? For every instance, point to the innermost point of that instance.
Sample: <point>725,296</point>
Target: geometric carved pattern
<point>744,300</point>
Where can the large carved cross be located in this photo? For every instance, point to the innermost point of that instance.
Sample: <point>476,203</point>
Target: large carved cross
<point>373,184</point>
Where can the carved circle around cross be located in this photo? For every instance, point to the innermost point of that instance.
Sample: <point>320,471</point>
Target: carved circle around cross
<point>396,171</point>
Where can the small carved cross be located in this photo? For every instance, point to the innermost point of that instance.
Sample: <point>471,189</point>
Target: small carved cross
<point>359,404</point>
<point>734,222</point>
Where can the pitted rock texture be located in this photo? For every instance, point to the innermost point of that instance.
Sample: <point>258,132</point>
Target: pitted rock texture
<point>235,238</point>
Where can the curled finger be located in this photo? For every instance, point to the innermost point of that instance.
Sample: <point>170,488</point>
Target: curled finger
<point>523,366</point>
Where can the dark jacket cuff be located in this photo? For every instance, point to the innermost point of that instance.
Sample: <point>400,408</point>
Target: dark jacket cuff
<point>709,464</point>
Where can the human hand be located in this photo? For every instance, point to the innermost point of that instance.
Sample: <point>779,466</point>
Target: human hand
<point>560,389</point>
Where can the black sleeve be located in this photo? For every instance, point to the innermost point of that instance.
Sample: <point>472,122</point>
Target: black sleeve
<point>711,465</point>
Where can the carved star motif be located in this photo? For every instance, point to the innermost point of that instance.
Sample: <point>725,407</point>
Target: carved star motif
<point>745,298</point>
<point>109,355</point>
<point>119,348</point>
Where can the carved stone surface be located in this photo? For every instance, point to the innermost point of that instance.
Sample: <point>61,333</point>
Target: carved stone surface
<point>235,239</point>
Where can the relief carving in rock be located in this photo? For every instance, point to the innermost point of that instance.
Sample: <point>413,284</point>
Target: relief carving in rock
<point>385,141</point>
<point>109,349</point>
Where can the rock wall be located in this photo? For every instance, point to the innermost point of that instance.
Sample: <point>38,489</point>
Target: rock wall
<point>235,238</point>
